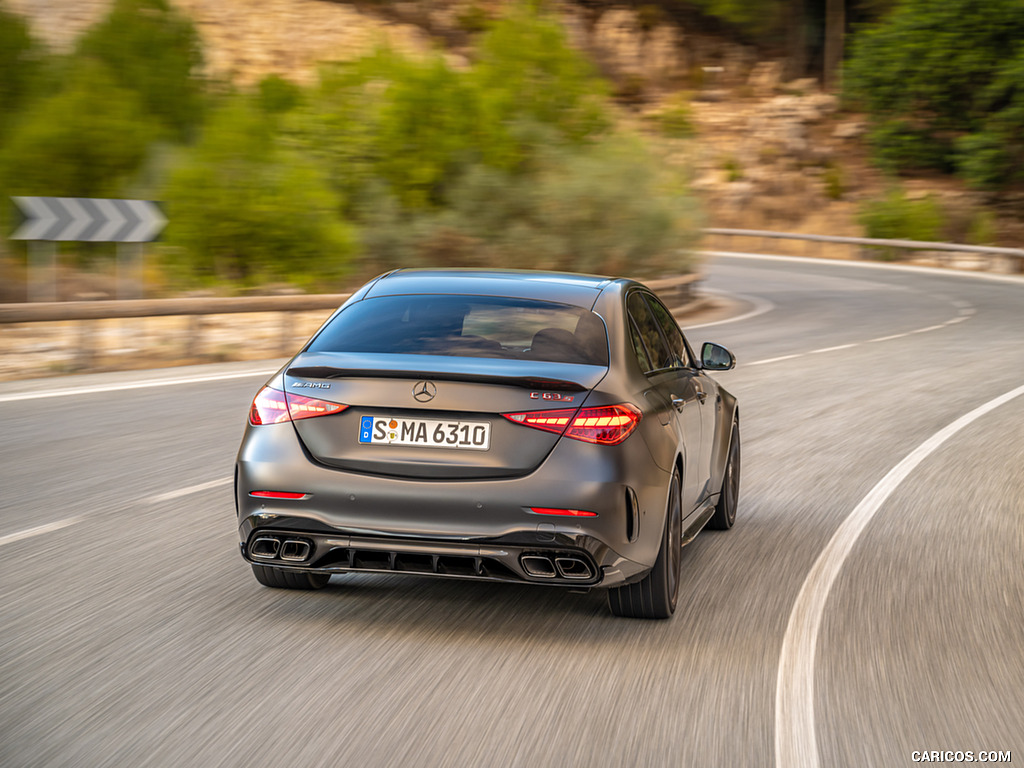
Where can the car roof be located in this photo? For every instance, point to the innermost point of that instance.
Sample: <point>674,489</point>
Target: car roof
<point>564,287</point>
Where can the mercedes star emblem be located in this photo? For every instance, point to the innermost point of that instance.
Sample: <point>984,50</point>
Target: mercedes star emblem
<point>424,391</point>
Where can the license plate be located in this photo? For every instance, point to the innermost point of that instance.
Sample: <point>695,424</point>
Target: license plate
<point>429,433</point>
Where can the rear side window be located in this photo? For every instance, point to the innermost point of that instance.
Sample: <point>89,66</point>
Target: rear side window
<point>658,355</point>
<point>674,337</point>
<point>468,326</point>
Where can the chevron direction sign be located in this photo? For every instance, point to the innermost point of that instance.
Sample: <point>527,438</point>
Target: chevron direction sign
<point>88,220</point>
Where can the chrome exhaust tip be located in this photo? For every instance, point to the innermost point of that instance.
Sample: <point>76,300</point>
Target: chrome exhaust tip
<point>573,568</point>
<point>295,550</point>
<point>538,566</point>
<point>264,548</point>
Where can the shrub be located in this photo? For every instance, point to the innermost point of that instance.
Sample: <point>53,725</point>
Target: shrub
<point>606,209</point>
<point>84,141</point>
<point>154,51</point>
<point>896,217</point>
<point>834,182</point>
<point>512,162</point>
<point>244,208</point>
<point>20,59</point>
<point>277,95</point>
<point>676,120</point>
<point>934,72</point>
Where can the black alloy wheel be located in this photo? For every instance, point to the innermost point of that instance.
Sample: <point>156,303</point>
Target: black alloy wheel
<point>725,511</point>
<point>654,596</point>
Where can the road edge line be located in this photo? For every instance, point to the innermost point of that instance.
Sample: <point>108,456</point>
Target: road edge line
<point>795,739</point>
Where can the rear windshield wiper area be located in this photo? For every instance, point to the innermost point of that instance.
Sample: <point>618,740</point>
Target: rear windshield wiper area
<point>527,382</point>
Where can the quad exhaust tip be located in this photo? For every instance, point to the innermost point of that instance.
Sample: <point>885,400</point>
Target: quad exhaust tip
<point>565,567</point>
<point>295,550</point>
<point>273,548</point>
<point>538,566</point>
<point>265,548</point>
<point>572,568</point>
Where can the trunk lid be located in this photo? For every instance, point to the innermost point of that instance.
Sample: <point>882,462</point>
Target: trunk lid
<point>433,417</point>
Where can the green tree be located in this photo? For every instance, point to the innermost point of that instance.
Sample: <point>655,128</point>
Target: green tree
<point>933,75</point>
<point>993,155</point>
<point>528,74</point>
<point>156,52</point>
<point>414,126</point>
<point>20,59</point>
<point>242,207</point>
<point>84,141</point>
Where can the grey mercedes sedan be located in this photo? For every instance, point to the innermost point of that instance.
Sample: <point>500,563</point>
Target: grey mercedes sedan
<point>533,427</point>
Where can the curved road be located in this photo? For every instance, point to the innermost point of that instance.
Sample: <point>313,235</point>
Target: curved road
<point>868,605</point>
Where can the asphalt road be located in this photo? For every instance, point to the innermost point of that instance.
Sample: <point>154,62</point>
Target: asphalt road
<point>868,604</point>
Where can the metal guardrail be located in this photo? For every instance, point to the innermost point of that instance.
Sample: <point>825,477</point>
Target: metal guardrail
<point>676,292</point>
<point>1015,255</point>
<point>56,311</point>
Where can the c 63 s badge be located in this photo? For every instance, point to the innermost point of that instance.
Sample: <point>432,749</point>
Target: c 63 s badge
<point>552,396</point>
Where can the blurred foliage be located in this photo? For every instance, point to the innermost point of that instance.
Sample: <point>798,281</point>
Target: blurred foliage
<point>20,60</point>
<point>943,84</point>
<point>277,95</point>
<point>388,160</point>
<point>993,155</point>
<point>244,208</point>
<point>835,182</point>
<point>155,51</point>
<point>66,145</point>
<point>416,126</point>
<point>675,121</point>
<point>609,208</point>
<point>527,72</point>
<point>897,217</point>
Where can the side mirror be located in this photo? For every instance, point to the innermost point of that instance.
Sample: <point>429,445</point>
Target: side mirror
<point>715,357</point>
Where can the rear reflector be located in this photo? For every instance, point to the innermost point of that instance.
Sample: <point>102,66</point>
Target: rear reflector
<point>568,512</point>
<point>278,495</point>
<point>605,425</point>
<point>272,406</point>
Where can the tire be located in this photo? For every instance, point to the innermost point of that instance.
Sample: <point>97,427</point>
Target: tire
<point>725,511</point>
<point>654,596</point>
<point>281,579</point>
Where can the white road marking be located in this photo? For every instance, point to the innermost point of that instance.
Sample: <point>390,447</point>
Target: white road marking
<point>89,390</point>
<point>189,490</point>
<point>833,349</point>
<point>795,741</point>
<point>940,326</point>
<point>775,359</point>
<point>888,338</point>
<point>56,526</point>
<point>38,530</point>
<point>760,307</point>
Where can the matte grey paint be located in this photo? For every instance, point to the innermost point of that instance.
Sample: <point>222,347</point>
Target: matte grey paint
<point>438,499</point>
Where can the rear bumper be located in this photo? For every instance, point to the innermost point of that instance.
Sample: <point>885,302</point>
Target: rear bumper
<point>480,529</point>
<point>563,564</point>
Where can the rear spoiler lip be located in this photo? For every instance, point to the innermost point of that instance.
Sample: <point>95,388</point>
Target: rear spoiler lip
<point>526,382</point>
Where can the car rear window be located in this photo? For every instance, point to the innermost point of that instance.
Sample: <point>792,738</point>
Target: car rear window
<point>468,326</point>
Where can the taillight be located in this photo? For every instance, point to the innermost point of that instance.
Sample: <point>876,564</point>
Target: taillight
<point>605,424</point>
<point>563,512</point>
<point>272,406</point>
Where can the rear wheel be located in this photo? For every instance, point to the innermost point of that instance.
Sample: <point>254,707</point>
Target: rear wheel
<point>654,596</point>
<point>725,510</point>
<point>281,579</point>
